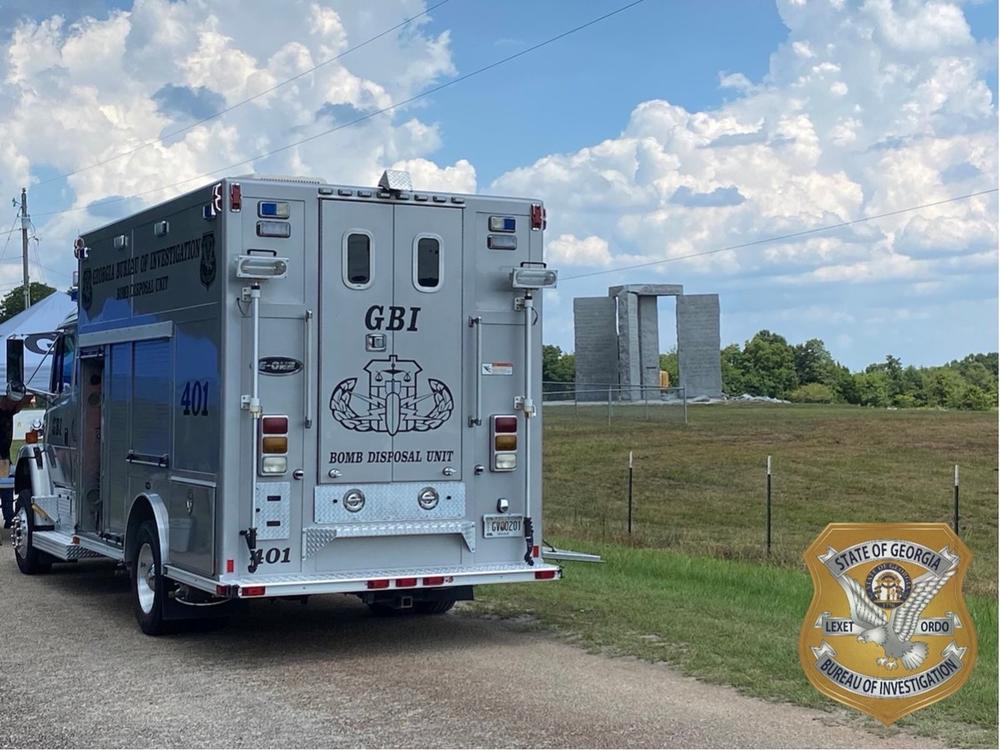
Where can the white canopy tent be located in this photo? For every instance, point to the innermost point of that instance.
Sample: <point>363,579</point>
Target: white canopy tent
<point>36,325</point>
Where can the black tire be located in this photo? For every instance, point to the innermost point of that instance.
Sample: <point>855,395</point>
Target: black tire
<point>149,592</point>
<point>31,561</point>
<point>433,607</point>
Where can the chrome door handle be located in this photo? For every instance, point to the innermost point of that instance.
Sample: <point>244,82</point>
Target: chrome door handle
<point>477,418</point>
<point>308,367</point>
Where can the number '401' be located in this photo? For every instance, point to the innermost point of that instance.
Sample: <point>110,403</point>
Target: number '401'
<point>195,398</point>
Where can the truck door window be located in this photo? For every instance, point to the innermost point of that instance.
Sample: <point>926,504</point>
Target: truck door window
<point>427,263</point>
<point>68,361</point>
<point>358,259</point>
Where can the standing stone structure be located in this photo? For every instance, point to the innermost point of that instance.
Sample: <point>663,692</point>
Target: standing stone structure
<point>617,341</point>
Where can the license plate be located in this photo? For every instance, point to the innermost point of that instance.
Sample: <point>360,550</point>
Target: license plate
<point>502,525</point>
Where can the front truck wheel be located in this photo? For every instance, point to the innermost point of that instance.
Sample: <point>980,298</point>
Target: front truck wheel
<point>148,584</point>
<point>29,559</point>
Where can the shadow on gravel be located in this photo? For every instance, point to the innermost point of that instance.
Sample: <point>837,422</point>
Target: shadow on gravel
<point>277,631</point>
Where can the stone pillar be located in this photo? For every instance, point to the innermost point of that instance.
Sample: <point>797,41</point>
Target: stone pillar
<point>596,347</point>
<point>649,344</point>
<point>629,355</point>
<point>698,344</point>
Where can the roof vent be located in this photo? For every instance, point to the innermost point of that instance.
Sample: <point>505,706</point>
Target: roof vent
<point>395,181</point>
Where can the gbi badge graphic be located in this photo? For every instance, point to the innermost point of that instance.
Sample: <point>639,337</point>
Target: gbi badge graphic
<point>887,631</point>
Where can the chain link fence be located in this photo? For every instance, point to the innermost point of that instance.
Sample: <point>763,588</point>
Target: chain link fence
<point>590,400</point>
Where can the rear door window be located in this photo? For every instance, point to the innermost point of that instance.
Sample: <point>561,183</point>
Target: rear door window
<point>427,262</point>
<point>358,259</point>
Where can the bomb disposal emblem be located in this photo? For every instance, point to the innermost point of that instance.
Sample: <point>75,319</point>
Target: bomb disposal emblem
<point>393,402</point>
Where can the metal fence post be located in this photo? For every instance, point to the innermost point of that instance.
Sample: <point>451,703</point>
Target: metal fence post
<point>768,506</point>
<point>956,498</point>
<point>684,396</point>
<point>609,406</point>
<point>630,493</point>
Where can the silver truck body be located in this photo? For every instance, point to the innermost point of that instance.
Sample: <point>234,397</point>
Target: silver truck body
<point>300,384</point>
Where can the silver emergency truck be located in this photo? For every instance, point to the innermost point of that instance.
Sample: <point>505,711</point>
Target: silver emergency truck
<point>278,387</point>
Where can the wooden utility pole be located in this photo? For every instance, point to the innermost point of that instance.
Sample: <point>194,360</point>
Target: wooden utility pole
<point>24,247</point>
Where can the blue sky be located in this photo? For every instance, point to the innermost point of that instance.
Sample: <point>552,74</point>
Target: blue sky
<point>670,129</point>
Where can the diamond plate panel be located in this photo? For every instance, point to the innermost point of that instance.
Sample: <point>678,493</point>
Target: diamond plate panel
<point>316,539</point>
<point>396,501</point>
<point>272,510</point>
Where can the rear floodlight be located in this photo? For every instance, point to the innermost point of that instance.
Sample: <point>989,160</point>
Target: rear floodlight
<point>533,278</point>
<point>258,267</point>
<point>395,181</point>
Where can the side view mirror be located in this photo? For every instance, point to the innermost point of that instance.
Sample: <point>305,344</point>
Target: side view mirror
<point>15,369</point>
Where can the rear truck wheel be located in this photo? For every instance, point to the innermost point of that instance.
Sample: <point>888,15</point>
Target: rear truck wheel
<point>433,607</point>
<point>148,584</point>
<point>29,559</point>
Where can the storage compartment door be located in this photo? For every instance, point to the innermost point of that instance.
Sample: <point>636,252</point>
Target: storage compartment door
<point>355,335</point>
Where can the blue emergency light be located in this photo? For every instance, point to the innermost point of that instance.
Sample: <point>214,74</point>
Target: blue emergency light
<point>272,209</point>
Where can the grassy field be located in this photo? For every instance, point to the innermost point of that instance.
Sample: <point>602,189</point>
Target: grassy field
<point>731,622</point>
<point>693,587</point>
<point>699,488</point>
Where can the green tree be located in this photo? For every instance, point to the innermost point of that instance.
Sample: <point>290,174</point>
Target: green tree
<point>769,365</point>
<point>813,363</point>
<point>733,379</point>
<point>872,388</point>
<point>557,367</point>
<point>943,386</point>
<point>13,302</point>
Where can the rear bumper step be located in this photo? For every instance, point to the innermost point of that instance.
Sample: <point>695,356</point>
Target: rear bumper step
<point>363,581</point>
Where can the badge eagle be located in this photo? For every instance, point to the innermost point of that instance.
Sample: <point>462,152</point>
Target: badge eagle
<point>894,634</point>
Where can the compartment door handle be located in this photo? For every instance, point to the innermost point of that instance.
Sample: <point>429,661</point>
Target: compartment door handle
<point>308,368</point>
<point>477,418</point>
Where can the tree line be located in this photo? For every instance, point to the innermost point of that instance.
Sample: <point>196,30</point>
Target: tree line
<point>767,365</point>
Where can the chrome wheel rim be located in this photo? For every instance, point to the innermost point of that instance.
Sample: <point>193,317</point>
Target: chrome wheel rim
<point>19,533</point>
<point>145,578</point>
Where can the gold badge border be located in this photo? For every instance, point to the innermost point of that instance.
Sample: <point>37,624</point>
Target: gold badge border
<point>891,711</point>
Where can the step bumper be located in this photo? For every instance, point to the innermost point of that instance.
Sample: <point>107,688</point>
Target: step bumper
<point>364,581</point>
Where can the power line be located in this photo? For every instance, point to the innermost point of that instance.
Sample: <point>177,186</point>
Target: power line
<point>363,118</point>
<point>240,103</point>
<point>778,238</point>
<point>9,235</point>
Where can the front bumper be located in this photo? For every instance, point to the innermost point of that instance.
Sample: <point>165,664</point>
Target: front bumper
<point>364,581</point>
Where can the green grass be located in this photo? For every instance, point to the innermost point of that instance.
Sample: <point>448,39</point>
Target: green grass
<point>692,586</point>
<point>727,621</point>
<point>699,488</point>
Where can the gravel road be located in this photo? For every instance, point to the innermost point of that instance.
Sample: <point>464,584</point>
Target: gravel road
<point>75,671</point>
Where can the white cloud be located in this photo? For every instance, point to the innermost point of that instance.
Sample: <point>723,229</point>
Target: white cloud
<point>104,82</point>
<point>426,175</point>
<point>864,110</point>
<point>569,250</point>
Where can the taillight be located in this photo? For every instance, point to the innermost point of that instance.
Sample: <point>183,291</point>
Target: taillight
<point>381,583</point>
<point>405,583</point>
<point>433,580</point>
<point>235,197</point>
<point>256,590</point>
<point>274,425</point>
<point>273,445</point>
<point>503,434</point>
<point>537,216</point>
<point>544,575</point>
<point>31,437</point>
